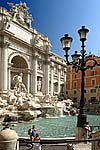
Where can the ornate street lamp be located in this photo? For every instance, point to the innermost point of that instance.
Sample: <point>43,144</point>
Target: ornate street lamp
<point>79,62</point>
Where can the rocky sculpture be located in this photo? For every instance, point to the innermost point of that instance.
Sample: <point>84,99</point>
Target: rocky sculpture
<point>20,103</point>
<point>19,94</point>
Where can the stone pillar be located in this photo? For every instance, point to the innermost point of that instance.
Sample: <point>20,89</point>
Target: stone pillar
<point>47,78</point>
<point>28,81</point>
<point>8,139</point>
<point>3,68</point>
<point>59,71</point>
<point>65,74</point>
<point>52,74</point>
<point>9,75</point>
<point>35,76</point>
<point>9,78</point>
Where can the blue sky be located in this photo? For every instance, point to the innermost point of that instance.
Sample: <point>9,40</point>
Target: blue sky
<point>54,18</point>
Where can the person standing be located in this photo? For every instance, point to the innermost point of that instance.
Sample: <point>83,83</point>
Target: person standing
<point>32,132</point>
<point>87,130</point>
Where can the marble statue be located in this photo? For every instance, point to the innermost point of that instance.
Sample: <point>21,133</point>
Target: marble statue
<point>19,85</point>
<point>4,19</point>
<point>19,12</point>
<point>39,86</point>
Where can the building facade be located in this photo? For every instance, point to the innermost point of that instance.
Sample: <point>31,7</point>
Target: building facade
<point>25,50</point>
<point>92,82</point>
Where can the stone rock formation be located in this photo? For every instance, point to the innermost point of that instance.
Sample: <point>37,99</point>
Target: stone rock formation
<point>22,105</point>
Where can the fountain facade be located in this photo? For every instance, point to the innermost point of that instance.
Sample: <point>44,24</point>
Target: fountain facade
<point>28,52</point>
<point>31,81</point>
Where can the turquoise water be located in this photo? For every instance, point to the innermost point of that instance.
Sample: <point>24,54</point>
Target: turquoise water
<point>50,127</point>
<point>55,127</point>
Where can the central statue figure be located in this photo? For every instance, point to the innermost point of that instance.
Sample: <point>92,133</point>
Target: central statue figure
<point>19,85</point>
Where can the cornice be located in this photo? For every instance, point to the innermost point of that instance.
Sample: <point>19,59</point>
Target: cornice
<point>12,36</point>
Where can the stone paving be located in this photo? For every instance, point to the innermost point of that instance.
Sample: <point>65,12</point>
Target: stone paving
<point>82,146</point>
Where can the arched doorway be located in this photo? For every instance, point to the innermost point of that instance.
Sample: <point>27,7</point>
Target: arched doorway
<point>19,65</point>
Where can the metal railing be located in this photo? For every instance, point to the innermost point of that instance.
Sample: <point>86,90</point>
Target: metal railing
<point>29,144</point>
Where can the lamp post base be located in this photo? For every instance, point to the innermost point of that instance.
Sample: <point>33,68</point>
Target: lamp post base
<point>81,120</point>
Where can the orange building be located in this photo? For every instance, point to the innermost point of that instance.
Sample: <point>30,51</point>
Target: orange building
<point>92,82</point>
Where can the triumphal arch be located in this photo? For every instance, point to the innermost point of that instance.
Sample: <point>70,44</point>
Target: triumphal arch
<point>25,51</point>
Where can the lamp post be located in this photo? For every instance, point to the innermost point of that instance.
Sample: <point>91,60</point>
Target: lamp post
<point>79,62</point>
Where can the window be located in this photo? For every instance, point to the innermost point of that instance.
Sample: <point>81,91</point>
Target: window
<point>66,85</point>
<point>62,88</point>
<point>93,82</point>
<point>75,76</point>
<point>93,99</point>
<point>93,90</point>
<point>93,73</point>
<point>75,92</point>
<point>75,83</point>
<point>74,99</point>
<point>66,92</point>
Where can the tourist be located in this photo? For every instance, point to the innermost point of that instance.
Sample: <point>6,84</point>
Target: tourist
<point>37,145</point>
<point>32,133</point>
<point>87,130</point>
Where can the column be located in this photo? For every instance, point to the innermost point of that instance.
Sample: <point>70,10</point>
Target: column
<point>52,74</point>
<point>59,71</point>
<point>47,77</point>
<point>3,69</point>
<point>28,81</point>
<point>34,86</point>
<point>9,76</point>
